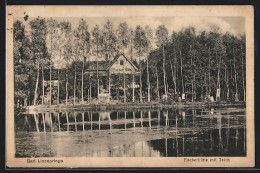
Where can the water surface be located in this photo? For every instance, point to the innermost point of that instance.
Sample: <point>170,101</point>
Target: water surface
<point>154,133</point>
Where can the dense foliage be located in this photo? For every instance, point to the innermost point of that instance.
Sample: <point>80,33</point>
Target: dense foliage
<point>197,64</point>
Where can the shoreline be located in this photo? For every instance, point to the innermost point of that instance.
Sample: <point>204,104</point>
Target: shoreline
<point>127,106</point>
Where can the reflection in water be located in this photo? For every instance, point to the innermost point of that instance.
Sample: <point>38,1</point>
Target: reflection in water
<point>183,136</point>
<point>58,115</point>
<point>143,133</point>
<point>244,130</point>
<point>67,117</point>
<point>177,148</point>
<point>83,114</point>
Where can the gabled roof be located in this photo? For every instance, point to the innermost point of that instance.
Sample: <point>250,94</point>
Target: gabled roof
<point>104,65</point>
<point>116,58</point>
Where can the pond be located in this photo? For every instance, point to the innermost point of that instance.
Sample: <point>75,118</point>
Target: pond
<point>141,133</point>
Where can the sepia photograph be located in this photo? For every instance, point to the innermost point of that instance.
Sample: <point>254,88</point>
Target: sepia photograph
<point>119,86</point>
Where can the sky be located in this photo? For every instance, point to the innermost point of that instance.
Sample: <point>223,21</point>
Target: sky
<point>234,25</point>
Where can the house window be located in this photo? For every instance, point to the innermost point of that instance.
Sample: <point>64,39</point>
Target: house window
<point>121,62</point>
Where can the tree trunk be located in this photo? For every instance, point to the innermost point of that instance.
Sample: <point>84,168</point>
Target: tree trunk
<point>148,81</point>
<point>58,95</point>
<point>98,84</point>
<point>50,85</point>
<point>175,72</point>
<point>88,96</point>
<point>209,73</point>
<point>82,81</point>
<point>164,73</point>
<point>243,75</point>
<point>192,81</point>
<point>193,88</point>
<point>141,97</point>
<point>133,87</point>
<point>218,83</point>
<point>206,88</point>
<point>177,76</point>
<point>157,84</point>
<point>133,78</point>
<point>227,82</point>
<point>42,86</point>
<point>90,91</point>
<point>124,86</point>
<point>50,70</point>
<point>218,80</point>
<point>36,85</point>
<point>235,72</point>
<point>182,83</point>
<point>74,89</point>
<point>109,93</point>
<point>66,87</point>
<point>173,79</point>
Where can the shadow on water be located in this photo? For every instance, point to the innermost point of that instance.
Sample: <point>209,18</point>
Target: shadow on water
<point>154,133</point>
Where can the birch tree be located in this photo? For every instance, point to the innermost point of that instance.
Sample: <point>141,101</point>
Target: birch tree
<point>140,45</point>
<point>82,38</point>
<point>38,39</point>
<point>131,47</point>
<point>161,40</point>
<point>149,36</point>
<point>52,29</point>
<point>23,65</point>
<point>123,38</point>
<point>67,51</point>
<point>109,47</point>
<point>97,43</point>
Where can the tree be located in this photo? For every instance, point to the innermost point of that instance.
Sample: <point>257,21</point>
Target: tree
<point>38,38</point>
<point>109,46</point>
<point>181,40</point>
<point>59,41</point>
<point>23,65</point>
<point>149,36</point>
<point>76,49</point>
<point>192,54</point>
<point>200,63</point>
<point>83,42</point>
<point>52,29</point>
<point>174,41</point>
<point>123,37</point>
<point>219,50</point>
<point>243,59</point>
<point>161,40</point>
<point>97,43</point>
<point>66,50</point>
<point>140,46</point>
<point>131,45</point>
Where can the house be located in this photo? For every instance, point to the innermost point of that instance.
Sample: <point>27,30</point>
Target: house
<point>122,72</point>
<point>119,67</point>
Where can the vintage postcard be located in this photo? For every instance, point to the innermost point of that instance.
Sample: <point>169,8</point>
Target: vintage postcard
<point>130,86</point>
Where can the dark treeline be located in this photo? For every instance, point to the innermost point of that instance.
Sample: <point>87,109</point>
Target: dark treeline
<point>189,64</point>
<point>200,65</point>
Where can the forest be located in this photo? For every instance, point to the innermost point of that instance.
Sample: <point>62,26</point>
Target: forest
<point>194,65</point>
